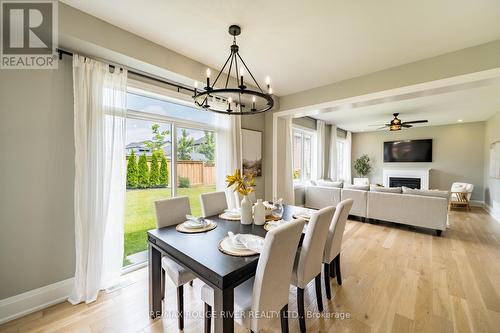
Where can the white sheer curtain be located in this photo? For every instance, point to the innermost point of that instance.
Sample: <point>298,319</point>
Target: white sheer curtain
<point>333,153</point>
<point>99,125</point>
<point>320,149</point>
<point>228,152</point>
<point>285,188</point>
<point>347,158</point>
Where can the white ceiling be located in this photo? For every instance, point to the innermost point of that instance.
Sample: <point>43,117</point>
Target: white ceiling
<point>468,105</point>
<point>306,44</point>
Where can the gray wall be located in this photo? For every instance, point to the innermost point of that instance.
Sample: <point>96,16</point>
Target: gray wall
<point>458,153</point>
<point>37,172</point>
<point>492,185</point>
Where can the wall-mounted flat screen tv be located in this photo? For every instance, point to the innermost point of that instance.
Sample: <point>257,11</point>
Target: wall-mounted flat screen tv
<point>408,151</point>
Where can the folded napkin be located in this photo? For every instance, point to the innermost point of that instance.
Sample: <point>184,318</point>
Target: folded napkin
<point>303,213</point>
<point>274,224</point>
<point>250,242</point>
<point>235,212</point>
<point>197,220</point>
<point>269,205</point>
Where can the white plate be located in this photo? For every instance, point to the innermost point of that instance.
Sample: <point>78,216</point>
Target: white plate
<point>194,225</point>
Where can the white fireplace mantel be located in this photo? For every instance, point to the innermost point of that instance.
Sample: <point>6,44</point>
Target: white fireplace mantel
<point>422,174</point>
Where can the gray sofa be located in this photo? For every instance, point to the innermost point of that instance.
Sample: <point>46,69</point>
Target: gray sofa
<point>427,209</point>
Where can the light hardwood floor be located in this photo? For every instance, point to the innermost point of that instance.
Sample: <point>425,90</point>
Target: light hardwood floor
<point>395,279</point>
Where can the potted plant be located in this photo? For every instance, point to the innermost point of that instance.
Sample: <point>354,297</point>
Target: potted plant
<point>362,166</point>
<point>244,185</point>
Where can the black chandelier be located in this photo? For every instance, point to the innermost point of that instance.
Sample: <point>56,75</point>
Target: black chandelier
<point>239,99</point>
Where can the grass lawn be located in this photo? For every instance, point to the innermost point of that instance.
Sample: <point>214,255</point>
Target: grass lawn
<point>140,214</point>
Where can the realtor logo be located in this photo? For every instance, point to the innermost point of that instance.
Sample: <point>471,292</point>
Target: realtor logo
<point>29,34</point>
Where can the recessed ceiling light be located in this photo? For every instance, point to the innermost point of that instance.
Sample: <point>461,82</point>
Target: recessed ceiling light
<point>460,120</point>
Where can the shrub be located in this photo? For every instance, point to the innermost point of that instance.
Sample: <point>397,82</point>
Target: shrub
<point>163,172</point>
<point>143,172</point>
<point>184,182</point>
<point>132,171</point>
<point>362,165</point>
<point>154,173</point>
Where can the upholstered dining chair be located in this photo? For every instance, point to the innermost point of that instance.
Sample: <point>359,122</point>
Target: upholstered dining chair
<point>267,291</point>
<point>213,203</point>
<point>307,265</point>
<point>171,212</point>
<point>333,244</point>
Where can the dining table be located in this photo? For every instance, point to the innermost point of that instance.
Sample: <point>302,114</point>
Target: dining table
<point>199,253</point>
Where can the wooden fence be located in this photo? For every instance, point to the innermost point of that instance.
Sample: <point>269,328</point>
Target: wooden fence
<point>198,173</point>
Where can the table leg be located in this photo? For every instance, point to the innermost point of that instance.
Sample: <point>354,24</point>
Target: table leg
<point>154,282</point>
<point>223,310</point>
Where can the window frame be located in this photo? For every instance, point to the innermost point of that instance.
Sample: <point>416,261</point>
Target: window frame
<point>312,133</point>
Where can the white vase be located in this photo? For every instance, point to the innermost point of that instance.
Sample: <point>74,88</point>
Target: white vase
<point>259,213</point>
<point>246,211</point>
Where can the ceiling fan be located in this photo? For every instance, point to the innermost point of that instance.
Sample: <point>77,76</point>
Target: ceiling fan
<point>396,123</point>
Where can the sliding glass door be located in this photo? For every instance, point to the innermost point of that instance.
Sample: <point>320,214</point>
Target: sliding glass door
<point>158,169</point>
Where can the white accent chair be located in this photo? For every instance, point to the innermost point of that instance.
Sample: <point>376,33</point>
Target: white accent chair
<point>213,203</point>
<point>334,244</point>
<point>461,194</point>
<point>307,265</point>
<point>171,212</point>
<point>268,291</point>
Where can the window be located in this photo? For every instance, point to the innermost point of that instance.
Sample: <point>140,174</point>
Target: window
<point>153,123</point>
<point>303,143</point>
<point>340,159</point>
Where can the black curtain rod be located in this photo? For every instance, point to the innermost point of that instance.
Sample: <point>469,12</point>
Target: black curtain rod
<point>152,77</point>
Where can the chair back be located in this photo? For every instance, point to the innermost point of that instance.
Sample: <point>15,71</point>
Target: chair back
<point>171,211</point>
<point>213,203</point>
<point>336,231</point>
<point>313,246</point>
<point>463,187</point>
<point>274,270</point>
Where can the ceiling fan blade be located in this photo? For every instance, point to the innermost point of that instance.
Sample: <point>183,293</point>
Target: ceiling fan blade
<point>383,127</point>
<point>415,122</point>
<point>386,125</point>
<point>406,125</point>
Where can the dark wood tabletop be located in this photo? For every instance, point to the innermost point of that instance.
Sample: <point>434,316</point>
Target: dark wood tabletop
<point>199,253</point>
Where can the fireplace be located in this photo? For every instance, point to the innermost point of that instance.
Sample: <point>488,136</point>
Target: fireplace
<point>414,178</point>
<point>404,181</point>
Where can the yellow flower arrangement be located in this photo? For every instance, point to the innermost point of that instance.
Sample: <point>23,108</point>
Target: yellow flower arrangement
<point>244,184</point>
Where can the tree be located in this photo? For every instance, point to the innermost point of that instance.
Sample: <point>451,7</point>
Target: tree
<point>163,172</point>
<point>207,148</point>
<point>157,142</point>
<point>154,173</point>
<point>143,172</point>
<point>132,171</point>
<point>185,146</point>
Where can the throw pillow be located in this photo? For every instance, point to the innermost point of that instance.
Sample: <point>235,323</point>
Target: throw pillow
<point>375,188</point>
<point>329,183</point>
<point>357,187</point>
<point>427,193</point>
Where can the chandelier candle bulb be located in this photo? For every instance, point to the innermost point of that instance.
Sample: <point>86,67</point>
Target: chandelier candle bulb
<point>253,103</point>
<point>270,91</point>
<point>195,87</point>
<point>208,78</point>
<point>229,101</point>
<point>242,72</point>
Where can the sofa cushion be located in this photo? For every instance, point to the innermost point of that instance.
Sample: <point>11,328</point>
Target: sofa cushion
<point>427,193</point>
<point>329,183</point>
<point>357,187</point>
<point>376,188</point>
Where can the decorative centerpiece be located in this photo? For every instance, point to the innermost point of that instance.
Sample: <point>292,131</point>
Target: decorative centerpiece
<point>363,167</point>
<point>244,185</point>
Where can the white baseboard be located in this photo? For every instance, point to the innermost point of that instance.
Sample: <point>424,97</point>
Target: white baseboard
<point>495,213</point>
<point>34,300</point>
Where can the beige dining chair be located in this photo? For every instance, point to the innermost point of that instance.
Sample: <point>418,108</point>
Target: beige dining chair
<point>267,291</point>
<point>171,212</point>
<point>213,203</point>
<point>309,258</point>
<point>331,257</point>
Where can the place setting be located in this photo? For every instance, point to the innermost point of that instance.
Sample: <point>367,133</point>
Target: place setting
<point>195,225</point>
<point>241,245</point>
